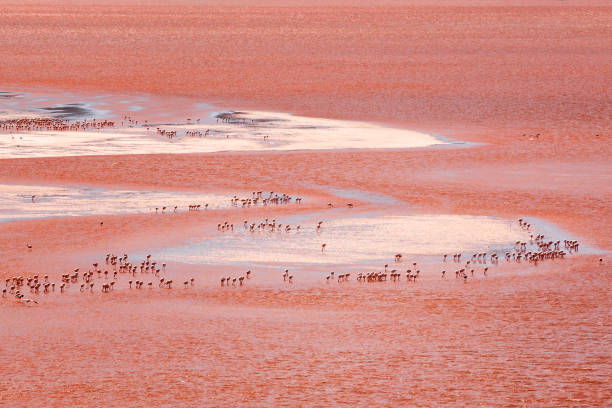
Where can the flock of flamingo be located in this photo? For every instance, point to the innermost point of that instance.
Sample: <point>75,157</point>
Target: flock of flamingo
<point>542,250</point>
<point>146,273</point>
<point>236,201</point>
<point>139,274</point>
<point>538,249</point>
<point>44,123</point>
<point>535,250</point>
<point>51,124</point>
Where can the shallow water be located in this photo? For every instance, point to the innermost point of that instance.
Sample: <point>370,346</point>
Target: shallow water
<point>16,201</point>
<point>365,196</point>
<point>366,239</point>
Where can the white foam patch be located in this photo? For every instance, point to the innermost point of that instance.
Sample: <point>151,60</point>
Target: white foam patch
<point>260,131</point>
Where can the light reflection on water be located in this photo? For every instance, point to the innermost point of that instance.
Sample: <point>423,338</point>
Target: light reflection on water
<point>16,201</point>
<point>367,239</point>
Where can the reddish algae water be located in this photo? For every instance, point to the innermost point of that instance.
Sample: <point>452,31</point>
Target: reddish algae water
<point>489,72</point>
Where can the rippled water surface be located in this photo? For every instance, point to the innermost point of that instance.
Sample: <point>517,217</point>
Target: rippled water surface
<point>542,341</point>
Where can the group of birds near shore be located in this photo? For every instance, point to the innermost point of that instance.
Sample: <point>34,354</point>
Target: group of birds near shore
<point>256,198</point>
<point>38,124</point>
<point>541,250</point>
<point>148,273</point>
<point>144,274</point>
<point>51,124</point>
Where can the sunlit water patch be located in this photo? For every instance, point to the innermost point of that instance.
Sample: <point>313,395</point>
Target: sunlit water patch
<point>368,239</point>
<point>16,201</point>
<point>364,196</point>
